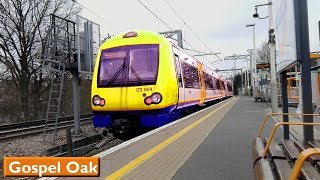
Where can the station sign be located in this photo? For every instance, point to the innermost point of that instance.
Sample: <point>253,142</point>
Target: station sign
<point>263,66</point>
<point>286,35</point>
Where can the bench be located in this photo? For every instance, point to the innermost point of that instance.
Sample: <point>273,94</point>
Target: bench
<point>287,159</point>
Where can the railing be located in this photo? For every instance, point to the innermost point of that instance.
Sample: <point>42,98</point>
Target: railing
<point>304,155</point>
<point>288,114</point>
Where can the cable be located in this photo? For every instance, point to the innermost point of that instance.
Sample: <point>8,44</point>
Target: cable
<point>155,15</point>
<point>88,9</point>
<point>104,20</point>
<point>187,25</point>
<point>194,50</point>
<point>184,22</point>
<point>198,52</point>
<point>167,25</point>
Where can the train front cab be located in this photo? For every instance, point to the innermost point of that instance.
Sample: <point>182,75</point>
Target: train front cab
<point>134,78</point>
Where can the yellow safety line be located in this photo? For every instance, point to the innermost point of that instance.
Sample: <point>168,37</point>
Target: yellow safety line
<point>134,163</point>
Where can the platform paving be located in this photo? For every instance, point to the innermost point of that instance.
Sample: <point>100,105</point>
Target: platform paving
<point>226,153</point>
<point>164,164</point>
<point>219,146</point>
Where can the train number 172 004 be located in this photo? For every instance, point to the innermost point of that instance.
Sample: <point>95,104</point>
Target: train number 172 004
<point>144,89</point>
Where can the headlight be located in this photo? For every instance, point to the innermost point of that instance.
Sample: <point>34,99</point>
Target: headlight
<point>147,101</point>
<point>155,98</point>
<point>96,100</point>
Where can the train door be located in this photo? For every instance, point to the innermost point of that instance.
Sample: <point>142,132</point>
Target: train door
<point>179,76</point>
<point>202,84</point>
<point>220,86</point>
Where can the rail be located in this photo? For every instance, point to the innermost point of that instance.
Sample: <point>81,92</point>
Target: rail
<point>32,130</point>
<point>37,122</point>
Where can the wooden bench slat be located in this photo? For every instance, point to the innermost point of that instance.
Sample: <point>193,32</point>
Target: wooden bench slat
<point>314,144</point>
<point>290,150</point>
<point>317,165</point>
<point>275,150</point>
<point>302,145</point>
<point>309,172</point>
<point>280,159</point>
<point>283,169</point>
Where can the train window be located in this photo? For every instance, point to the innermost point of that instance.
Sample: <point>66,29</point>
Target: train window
<point>143,64</point>
<point>229,87</point>
<point>223,85</point>
<point>129,66</point>
<point>111,67</point>
<point>188,81</point>
<point>293,83</point>
<point>195,77</point>
<point>214,83</point>
<point>218,82</point>
<point>208,81</point>
<point>178,70</point>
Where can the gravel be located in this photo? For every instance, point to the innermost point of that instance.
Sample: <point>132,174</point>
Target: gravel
<point>34,145</point>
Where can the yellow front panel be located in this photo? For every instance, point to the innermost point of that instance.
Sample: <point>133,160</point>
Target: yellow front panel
<point>131,98</point>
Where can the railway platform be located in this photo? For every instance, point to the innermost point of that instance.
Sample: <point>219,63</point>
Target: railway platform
<point>214,143</point>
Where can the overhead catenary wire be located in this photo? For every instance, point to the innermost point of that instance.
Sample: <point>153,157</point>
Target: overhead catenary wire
<point>104,20</point>
<point>168,26</point>
<point>151,13</point>
<point>184,22</point>
<point>199,52</point>
<point>155,15</point>
<point>88,10</point>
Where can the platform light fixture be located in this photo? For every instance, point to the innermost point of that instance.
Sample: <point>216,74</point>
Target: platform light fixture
<point>273,81</point>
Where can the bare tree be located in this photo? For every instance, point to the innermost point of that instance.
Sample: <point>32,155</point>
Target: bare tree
<point>23,33</point>
<point>263,53</point>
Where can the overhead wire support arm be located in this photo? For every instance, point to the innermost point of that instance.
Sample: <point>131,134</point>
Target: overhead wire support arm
<point>234,57</point>
<point>184,22</point>
<point>205,54</point>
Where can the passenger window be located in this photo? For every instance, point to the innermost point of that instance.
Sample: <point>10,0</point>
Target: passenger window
<point>208,81</point>
<point>186,75</point>
<point>214,83</point>
<point>178,70</point>
<point>218,84</point>
<point>195,77</point>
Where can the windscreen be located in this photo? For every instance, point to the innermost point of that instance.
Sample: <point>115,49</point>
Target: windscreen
<point>134,65</point>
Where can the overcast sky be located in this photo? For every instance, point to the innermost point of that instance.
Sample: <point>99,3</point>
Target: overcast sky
<point>220,24</point>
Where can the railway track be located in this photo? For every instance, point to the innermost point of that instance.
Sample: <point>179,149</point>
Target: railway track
<point>5,127</point>
<point>17,131</point>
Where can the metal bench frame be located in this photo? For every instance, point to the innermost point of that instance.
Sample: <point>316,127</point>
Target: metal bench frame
<point>302,156</point>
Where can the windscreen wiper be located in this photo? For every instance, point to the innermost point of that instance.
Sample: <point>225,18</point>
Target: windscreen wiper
<point>119,70</point>
<point>137,76</point>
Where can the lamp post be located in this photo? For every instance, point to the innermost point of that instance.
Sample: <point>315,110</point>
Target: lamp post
<point>273,81</point>
<point>272,47</point>
<point>254,82</point>
<point>245,80</point>
<point>253,60</point>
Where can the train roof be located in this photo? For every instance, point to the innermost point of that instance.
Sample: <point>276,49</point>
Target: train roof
<point>156,37</point>
<point>136,33</point>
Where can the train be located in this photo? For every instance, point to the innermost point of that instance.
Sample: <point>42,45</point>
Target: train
<point>143,79</point>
